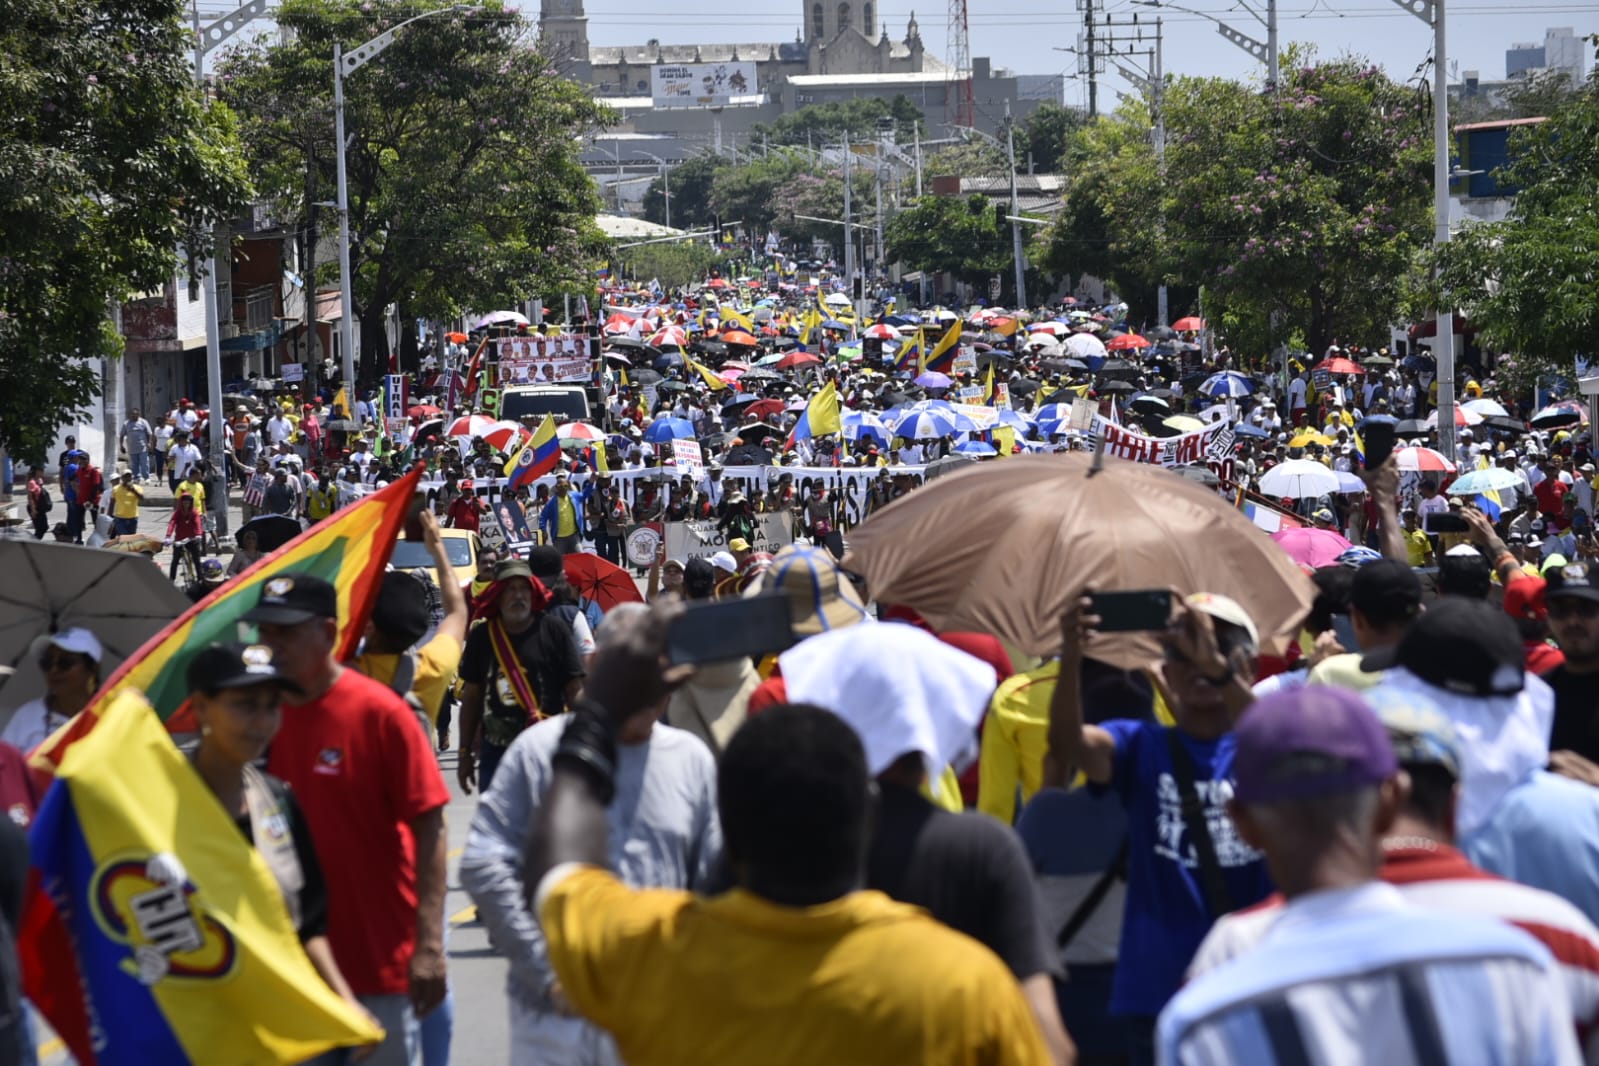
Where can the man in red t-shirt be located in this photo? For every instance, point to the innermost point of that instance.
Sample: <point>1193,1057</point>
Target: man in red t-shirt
<point>364,773</point>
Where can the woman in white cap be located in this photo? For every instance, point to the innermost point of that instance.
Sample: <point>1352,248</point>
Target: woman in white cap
<point>70,663</point>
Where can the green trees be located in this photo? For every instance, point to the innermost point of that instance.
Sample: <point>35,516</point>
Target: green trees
<point>1531,282</point>
<point>817,125</point>
<point>109,162</point>
<point>691,193</point>
<point>464,179</point>
<point>1306,209</point>
<point>967,238</point>
<point>1043,137</point>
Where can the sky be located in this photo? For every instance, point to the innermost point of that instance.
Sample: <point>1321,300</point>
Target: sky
<point>1030,36</point>
<point>1025,35</point>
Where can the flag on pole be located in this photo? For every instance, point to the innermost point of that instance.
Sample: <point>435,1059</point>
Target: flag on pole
<point>349,549</point>
<point>910,356</point>
<point>820,417</point>
<point>154,931</point>
<point>942,357</point>
<point>711,380</point>
<point>341,403</point>
<point>988,386</point>
<point>537,456</point>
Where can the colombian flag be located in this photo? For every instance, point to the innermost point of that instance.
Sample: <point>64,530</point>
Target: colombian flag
<point>910,355</point>
<point>988,387</point>
<point>154,925</point>
<point>349,549</point>
<point>535,458</point>
<point>820,417</point>
<point>711,380</point>
<point>942,357</point>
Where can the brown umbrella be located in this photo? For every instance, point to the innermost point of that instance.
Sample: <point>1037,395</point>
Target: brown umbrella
<point>1004,547</point>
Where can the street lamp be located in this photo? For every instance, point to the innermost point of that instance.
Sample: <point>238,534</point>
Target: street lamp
<point>344,66</point>
<point>1265,53</point>
<point>207,38</point>
<point>666,182</point>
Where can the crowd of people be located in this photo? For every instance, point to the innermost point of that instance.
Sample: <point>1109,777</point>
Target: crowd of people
<point>870,841</point>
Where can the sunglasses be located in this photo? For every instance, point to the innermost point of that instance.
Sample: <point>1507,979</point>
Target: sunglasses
<point>59,662</point>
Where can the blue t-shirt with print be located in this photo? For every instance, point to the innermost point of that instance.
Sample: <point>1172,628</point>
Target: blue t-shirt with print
<point>1166,916</point>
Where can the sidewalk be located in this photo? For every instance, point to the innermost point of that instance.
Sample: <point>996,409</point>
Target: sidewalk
<point>157,511</point>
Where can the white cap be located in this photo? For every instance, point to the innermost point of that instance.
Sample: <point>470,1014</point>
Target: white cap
<point>77,640</point>
<point>1462,549</point>
<point>725,561</point>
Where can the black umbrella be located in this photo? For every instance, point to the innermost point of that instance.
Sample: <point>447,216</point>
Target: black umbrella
<point>1201,474</point>
<point>739,402</point>
<point>272,531</point>
<point>1150,404</point>
<point>1509,425</point>
<point>671,386</point>
<point>645,376</point>
<point>947,465</point>
<point>712,441</point>
<point>1024,387</point>
<point>759,373</point>
<point>716,348</point>
<point>1118,366</point>
<point>1412,427</point>
<point>1163,394</point>
<point>668,359</point>
<point>1376,360</point>
<point>748,455</point>
<point>756,431</point>
<point>1161,333</point>
<point>1115,386</point>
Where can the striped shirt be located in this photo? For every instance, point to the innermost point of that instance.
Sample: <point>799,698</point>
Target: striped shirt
<point>1358,975</point>
<point>1442,880</point>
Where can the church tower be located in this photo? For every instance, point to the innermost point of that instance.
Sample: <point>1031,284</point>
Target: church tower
<point>564,32</point>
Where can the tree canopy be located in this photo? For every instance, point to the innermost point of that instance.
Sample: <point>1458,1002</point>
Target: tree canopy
<point>691,192</point>
<point>1531,282</point>
<point>465,184</point>
<point>817,124</point>
<point>1307,208</point>
<point>967,237</point>
<point>98,196</point>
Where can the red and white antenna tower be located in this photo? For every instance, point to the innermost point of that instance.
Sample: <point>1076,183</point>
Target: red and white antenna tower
<point>959,107</point>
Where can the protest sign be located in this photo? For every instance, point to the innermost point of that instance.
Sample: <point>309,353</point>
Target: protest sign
<point>970,394</point>
<point>687,456</point>
<point>293,373</point>
<point>512,520</point>
<point>538,360</point>
<point>701,540</point>
<point>1182,450</point>
<point>1083,414</point>
<point>965,362</point>
<point>396,393</point>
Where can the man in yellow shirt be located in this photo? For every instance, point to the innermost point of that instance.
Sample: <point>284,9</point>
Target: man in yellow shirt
<point>125,500</point>
<point>193,485</point>
<point>793,966</point>
<point>1418,546</point>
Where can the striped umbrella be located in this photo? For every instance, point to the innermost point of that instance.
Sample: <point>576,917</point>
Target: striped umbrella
<point>1423,460</point>
<point>925,425</point>
<point>1227,383</point>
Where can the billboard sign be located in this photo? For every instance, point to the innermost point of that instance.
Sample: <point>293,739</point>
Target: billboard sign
<point>700,84</point>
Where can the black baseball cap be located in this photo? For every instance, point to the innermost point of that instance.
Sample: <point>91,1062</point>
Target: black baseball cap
<point>1462,646</point>
<point>290,599</point>
<point>234,665</point>
<point>1386,591</point>
<point>1575,581</point>
<point>401,610</point>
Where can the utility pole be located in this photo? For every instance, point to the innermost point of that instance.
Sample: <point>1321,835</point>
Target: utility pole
<point>1152,80</point>
<point>849,235</point>
<point>1088,52</point>
<point>1015,210</point>
<point>207,38</point>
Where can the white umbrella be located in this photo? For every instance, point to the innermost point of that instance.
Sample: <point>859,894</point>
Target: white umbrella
<point>123,599</point>
<point>1490,479</point>
<point>1085,346</point>
<point>1487,408</point>
<point>1297,479</point>
<point>836,299</point>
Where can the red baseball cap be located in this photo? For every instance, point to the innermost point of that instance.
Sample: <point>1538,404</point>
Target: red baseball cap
<point>1524,598</point>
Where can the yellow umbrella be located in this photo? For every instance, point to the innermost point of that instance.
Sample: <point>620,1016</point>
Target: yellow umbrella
<point>1185,423</point>
<point>1310,436</point>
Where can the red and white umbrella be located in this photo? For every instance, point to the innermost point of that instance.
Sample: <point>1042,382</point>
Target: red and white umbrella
<point>1464,416</point>
<point>883,332</point>
<point>580,431</point>
<point>500,435</point>
<point>1423,460</point>
<point>469,426</point>
<point>1058,329</point>
<point>670,337</point>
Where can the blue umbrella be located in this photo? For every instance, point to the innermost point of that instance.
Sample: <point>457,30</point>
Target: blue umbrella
<point>858,424</point>
<point>976,447</point>
<point>1015,420</point>
<point>1053,412</point>
<point>1227,383</point>
<point>664,429</point>
<point>833,323</point>
<point>667,360</point>
<point>1247,429</point>
<point>934,380</point>
<point>925,425</point>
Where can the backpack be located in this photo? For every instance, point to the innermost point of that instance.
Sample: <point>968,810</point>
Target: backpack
<point>404,675</point>
<point>45,502</point>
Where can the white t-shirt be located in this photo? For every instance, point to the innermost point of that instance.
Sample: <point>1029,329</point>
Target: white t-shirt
<point>1296,393</point>
<point>184,457</point>
<point>31,725</point>
<point>187,419</point>
<point>278,429</point>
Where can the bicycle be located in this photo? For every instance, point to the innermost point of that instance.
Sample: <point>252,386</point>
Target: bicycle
<point>186,556</point>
